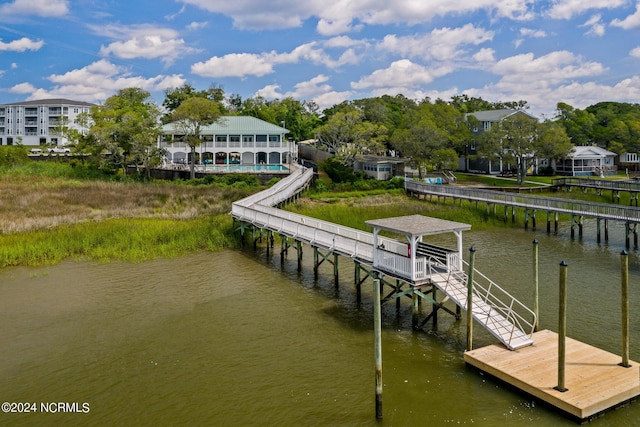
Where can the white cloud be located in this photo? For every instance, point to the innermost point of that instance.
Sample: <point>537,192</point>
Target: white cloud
<point>143,41</point>
<point>536,34</point>
<point>318,91</point>
<point>567,9</point>
<point>21,45</point>
<point>251,64</point>
<point>440,44</point>
<point>44,8</point>
<point>553,67</point>
<point>596,27</point>
<point>546,80</point>
<point>485,55</point>
<point>234,65</point>
<point>630,22</point>
<point>14,65</point>
<point>194,26</point>
<point>269,92</point>
<point>340,16</point>
<point>315,89</point>
<point>635,52</point>
<point>24,88</point>
<point>400,74</point>
<point>96,82</point>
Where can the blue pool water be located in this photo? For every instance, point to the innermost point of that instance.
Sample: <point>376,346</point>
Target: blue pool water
<point>246,168</point>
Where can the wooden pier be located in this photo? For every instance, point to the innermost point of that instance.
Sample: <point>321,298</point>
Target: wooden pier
<point>593,378</point>
<point>577,209</point>
<point>595,381</point>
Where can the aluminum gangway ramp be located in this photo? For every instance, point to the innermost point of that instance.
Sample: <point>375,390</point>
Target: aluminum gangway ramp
<point>502,315</point>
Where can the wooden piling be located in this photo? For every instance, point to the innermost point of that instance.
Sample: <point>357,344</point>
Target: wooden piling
<point>624,274</point>
<point>377,332</point>
<point>414,309</point>
<point>535,285</point>
<point>472,255</point>
<point>562,327</point>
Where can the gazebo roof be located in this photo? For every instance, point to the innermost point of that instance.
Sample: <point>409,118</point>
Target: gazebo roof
<point>417,225</point>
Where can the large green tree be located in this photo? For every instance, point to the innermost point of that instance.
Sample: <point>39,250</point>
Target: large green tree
<point>349,136</point>
<point>553,142</point>
<point>513,139</point>
<point>173,97</point>
<point>189,118</point>
<point>577,123</point>
<point>423,142</point>
<point>299,117</point>
<point>124,126</point>
<point>521,138</point>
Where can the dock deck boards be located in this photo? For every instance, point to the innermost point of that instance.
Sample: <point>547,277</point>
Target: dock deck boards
<point>594,379</point>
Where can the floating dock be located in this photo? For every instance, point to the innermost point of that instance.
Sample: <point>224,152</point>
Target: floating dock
<point>595,381</point>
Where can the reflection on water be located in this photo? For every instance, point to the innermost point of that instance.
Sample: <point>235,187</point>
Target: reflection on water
<point>236,338</point>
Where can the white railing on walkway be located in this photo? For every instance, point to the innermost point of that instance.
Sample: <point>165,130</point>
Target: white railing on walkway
<point>498,311</point>
<point>568,206</point>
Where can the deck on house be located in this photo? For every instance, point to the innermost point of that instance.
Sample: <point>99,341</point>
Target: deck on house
<point>594,379</point>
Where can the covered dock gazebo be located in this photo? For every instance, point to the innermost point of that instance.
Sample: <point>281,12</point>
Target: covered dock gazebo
<point>419,258</point>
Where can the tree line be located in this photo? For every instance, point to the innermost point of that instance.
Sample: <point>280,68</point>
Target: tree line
<point>433,133</point>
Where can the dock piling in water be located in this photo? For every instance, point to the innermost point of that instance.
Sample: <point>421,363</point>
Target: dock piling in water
<point>624,273</point>
<point>562,327</point>
<point>535,285</point>
<point>472,255</point>
<point>377,328</point>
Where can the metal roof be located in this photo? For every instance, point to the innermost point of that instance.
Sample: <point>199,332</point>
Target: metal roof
<point>590,151</point>
<point>417,225</point>
<point>54,101</point>
<point>236,124</point>
<point>496,115</point>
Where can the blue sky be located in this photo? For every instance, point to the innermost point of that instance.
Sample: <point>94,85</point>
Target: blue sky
<point>576,51</point>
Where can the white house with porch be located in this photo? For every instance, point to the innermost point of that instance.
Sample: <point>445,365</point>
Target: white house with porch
<point>232,140</point>
<point>587,160</point>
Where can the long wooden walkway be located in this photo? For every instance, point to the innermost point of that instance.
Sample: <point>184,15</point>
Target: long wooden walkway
<point>506,318</point>
<point>594,380</point>
<point>602,184</point>
<point>602,212</point>
<point>534,203</point>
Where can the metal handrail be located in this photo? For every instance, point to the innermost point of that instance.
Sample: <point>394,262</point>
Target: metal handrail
<point>496,298</point>
<point>512,310</point>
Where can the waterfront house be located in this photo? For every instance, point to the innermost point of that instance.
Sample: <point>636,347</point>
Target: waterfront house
<point>587,160</point>
<point>232,140</point>
<point>380,167</point>
<point>480,122</point>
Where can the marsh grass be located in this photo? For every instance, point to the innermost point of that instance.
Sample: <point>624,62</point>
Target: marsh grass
<point>51,212</point>
<point>117,239</point>
<point>32,203</point>
<point>353,212</point>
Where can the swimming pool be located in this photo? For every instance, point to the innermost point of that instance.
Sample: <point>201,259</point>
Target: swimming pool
<point>245,168</point>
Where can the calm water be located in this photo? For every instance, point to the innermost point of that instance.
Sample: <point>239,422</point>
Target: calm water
<point>239,339</point>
